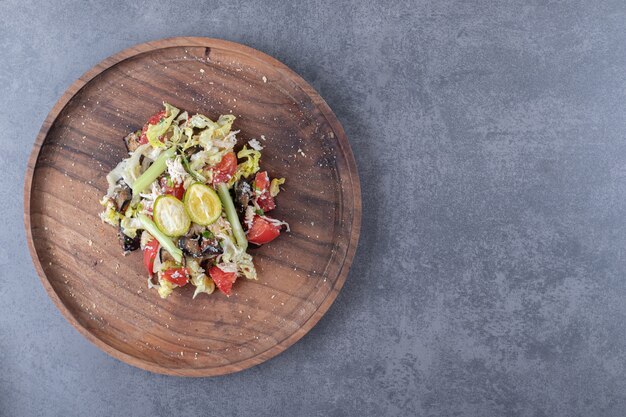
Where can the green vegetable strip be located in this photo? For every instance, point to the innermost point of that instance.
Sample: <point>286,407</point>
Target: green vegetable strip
<point>164,240</point>
<point>153,172</point>
<point>190,171</point>
<point>231,213</point>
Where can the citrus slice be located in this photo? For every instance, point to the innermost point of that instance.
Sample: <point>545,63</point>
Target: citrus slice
<point>170,215</point>
<point>202,204</point>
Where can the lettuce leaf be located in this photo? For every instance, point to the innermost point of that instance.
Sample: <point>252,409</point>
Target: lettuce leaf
<point>129,226</point>
<point>275,186</point>
<point>224,123</point>
<point>203,283</point>
<point>232,253</point>
<point>110,215</point>
<point>165,288</point>
<point>212,131</point>
<point>157,130</point>
<point>203,158</point>
<point>249,166</point>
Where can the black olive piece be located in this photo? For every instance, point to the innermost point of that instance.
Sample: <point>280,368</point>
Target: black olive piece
<point>122,196</point>
<point>190,245</point>
<point>191,151</point>
<point>210,246</point>
<point>165,256</point>
<point>243,195</point>
<point>129,244</point>
<point>198,247</point>
<point>132,141</point>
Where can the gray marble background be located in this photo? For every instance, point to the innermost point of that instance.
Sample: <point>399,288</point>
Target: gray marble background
<point>490,276</point>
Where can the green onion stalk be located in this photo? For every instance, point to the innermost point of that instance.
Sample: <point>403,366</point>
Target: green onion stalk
<point>231,214</point>
<point>153,172</point>
<point>164,240</point>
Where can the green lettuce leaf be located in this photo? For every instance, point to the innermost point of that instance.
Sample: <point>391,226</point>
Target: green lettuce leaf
<point>275,186</point>
<point>248,167</point>
<point>157,130</point>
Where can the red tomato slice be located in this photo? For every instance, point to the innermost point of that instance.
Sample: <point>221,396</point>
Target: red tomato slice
<point>177,190</point>
<point>149,254</point>
<point>262,231</point>
<point>178,276</point>
<point>262,181</point>
<point>264,200</point>
<point>223,280</point>
<point>143,139</point>
<point>226,168</point>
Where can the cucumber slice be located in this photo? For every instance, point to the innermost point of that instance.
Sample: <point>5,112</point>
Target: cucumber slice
<point>202,204</point>
<point>170,216</point>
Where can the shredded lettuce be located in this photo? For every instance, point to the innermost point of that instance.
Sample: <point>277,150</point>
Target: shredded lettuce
<point>203,283</point>
<point>205,137</point>
<point>157,130</point>
<point>213,131</point>
<point>225,123</point>
<point>129,169</point>
<point>165,288</point>
<point>194,175</point>
<point>110,215</point>
<point>215,138</point>
<point>249,166</point>
<point>200,121</point>
<point>182,118</point>
<point>176,170</point>
<point>210,157</point>
<point>177,134</point>
<point>130,225</point>
<point>275,186</point>
<point>232,254</point>
<point>246,266</point>
<point>228,142</point>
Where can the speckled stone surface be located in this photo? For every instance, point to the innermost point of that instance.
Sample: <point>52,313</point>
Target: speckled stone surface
<point>491,274</point>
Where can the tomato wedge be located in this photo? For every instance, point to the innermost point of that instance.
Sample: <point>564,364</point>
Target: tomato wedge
<point>223,280</point>
<point>262,186</point>
<point>178,276</point>
<point>149,255</point>
<point>225,169</point>
<point>177,190</point>
<point>262,231</point>
<point>262,181</point>
<point>143,139</point>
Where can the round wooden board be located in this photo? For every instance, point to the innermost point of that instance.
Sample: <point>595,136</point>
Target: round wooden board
<point>104,294</point>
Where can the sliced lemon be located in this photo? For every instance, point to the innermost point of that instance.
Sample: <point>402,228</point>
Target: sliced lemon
<point>170,215</point>
<point>202,204</point>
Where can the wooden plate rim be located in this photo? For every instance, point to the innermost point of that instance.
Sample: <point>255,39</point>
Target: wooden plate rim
<point>344,145</point>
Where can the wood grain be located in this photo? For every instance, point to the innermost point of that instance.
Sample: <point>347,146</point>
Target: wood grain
<point>104,295</point>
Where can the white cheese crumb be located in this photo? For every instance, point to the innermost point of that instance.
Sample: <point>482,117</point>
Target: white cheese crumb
<point>254,144</point>
<point>202,70</point>
<point>177,172</point>
<point>264,79</point>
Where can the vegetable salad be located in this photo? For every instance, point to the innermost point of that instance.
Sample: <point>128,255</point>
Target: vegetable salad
<point>191,203</point>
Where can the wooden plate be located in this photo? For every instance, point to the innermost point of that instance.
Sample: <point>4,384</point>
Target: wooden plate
<point>104,294</point>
